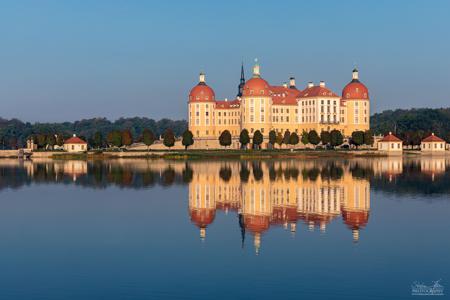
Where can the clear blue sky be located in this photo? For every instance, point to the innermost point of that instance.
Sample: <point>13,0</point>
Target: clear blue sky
<point>68,60</point>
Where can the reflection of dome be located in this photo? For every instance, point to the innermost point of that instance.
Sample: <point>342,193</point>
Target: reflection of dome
<point>355,219</point>
<point>203,217</point>
<point>202,92</point>
<point>281,215</point>
<point>355,89</point>
<point>256,224</point>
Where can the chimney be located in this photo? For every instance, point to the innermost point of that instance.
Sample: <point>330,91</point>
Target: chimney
<point>322,83</point>
<point>285,85</point>
<point>292,83</point>
<point>310,84</point>
<point>201,78</point>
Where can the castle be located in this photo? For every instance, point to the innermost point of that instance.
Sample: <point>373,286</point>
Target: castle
<point>264,107</point>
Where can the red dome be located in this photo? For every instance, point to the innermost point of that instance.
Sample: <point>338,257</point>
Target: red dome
<point>355,90</point>
<point>256,86</point>
<point>256,224</point>
<point>202,93</point>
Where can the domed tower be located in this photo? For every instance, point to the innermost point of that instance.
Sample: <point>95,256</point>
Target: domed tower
<point>201,106</point>
<point>355,101</point>
<point>256,104</point>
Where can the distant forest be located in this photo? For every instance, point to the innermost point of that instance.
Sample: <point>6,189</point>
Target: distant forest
<point>14,133</point>
<point>411,125</point>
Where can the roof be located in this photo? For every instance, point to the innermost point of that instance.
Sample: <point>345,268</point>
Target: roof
<point>317,91</point>
<point>432,138</point>
<point>355,90</point>
<point>74,140</point>
<point>222,104</point>
<point>390,138</point>
<point>201,93</point>
<point>284,95</point>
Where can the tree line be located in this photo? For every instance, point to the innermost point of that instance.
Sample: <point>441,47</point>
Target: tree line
<point>14,133</point>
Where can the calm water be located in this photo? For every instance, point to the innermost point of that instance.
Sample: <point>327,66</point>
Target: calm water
<point>285,229</point>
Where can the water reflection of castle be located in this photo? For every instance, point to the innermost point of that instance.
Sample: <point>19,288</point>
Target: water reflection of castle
<point>285,193</point>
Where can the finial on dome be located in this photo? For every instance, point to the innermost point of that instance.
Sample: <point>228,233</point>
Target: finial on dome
<point>390,132</point>
<point>355,75</point>
<point>432,133</point>
<point>256,72</point>
<point>201,78</point>
<point>202,233</point>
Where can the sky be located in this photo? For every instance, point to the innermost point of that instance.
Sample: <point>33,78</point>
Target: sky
<point>70,60</point>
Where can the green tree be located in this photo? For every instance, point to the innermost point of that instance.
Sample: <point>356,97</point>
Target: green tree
<point>272,138</point>
<point>127,137</point>
<point>286,137</point>
<point>188,139</point>
<point>148,137</point>
<point>114,138</point>
<point>293,139</point>
<point>258,139</point>
<point>51,141</point>
<point>313,137</point>
<point>59,139</point>
<point>357,138</point>
<point>225,138</point>
<point>279,139</point>
<point>305,139</point>
<point>41,140</point>
<point>325,137</point>
<point>168,138</point>
<point>97,140</point>
<point>368,138</point>
<point>336,138</point>
<point>244,138</point>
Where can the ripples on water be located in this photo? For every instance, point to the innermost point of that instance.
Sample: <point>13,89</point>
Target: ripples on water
<point>255,197</point>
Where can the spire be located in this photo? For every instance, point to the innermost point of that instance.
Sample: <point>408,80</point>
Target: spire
<point>355,76</point>
<point>241,82</point>
<point>201,78</point>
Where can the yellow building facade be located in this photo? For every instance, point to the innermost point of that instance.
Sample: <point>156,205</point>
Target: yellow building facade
<point>265,107</point>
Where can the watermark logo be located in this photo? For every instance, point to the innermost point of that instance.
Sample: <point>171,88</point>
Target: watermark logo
<point>420,289</point>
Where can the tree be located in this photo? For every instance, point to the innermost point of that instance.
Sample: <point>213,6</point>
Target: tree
<point>357,138</point>
<point>59,140</point>
<point>127,137</point>
<point>325,137</point>
<point>336,138</point>
<point>51,141</point>
<point>293,139</point>
<point>97,140</point>
<point>188,139</point>
<point>305,139</point>
<point>168,138</point>
<point>279,139</point>
<point>272,137</point>
<point>313,137</point>
<point>148,137</point>
<point>41,140</point>
<point>258,139</point>
<point>368,138</point>
<point>244,138</point>
<point>286,137</point>
<point>114,138</point>
<point>225,138</point>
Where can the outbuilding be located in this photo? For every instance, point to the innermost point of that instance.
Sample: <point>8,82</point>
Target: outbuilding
<point>432,145</point>
<point>75,144</point>
<point>391,144</point>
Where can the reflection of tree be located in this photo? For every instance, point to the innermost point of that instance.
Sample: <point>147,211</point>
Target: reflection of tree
<point>331,172</point>
<point>168,176</point>
<point>258,173</point>
<point>361,172</point>
<point>244,173</point>
<point>311,174</point>
<point>225,173</point>
<point>187,174</point>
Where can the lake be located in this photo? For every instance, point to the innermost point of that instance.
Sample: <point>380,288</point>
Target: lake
<point>263,229</point>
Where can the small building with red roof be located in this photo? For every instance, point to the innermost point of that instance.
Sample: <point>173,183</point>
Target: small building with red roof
<point>390,144</point>
<point>432,145</point>
<point>75,144</point>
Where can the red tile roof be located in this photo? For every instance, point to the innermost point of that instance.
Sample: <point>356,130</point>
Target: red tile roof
<point>74,140</point>
<point>390,138</point>
<point>432,138</point>
<point>222,104</point>
<point>283,95</point>
<point>317,91</point>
